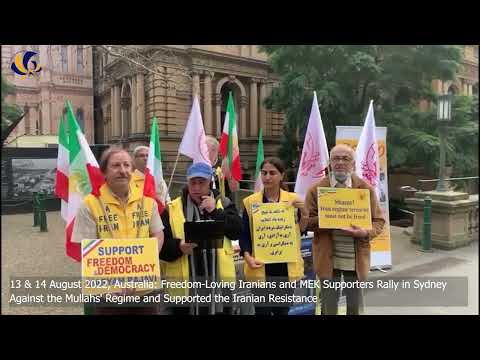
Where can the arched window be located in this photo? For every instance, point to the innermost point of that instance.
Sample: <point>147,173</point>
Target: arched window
<point>452,90</point>
<point>80,119</point>
<point>65,120</point>
<point>80,59</point>
<point>64,57</point>
<point>226,89</point>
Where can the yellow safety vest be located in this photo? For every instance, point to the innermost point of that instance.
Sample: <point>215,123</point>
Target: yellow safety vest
<point>179,270</point>
<point>295,269</point>
<point>129,222</point>
<point>138,178</point>
<point>221,181</point>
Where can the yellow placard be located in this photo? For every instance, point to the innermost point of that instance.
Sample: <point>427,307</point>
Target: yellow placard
<point>113,265</point>
<point>274,232</point>
<point>340,208</point>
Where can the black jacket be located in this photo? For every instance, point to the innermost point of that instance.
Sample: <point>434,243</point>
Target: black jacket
<point>171,247</point>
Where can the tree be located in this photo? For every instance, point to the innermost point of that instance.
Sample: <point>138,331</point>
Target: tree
<point>135,57</point>
<point>413,137</point>
<point>11,113</point>
<point>146,58</point>
<point>346,77</point>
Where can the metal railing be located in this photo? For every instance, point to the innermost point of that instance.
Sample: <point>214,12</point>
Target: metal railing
<point>466,185</point>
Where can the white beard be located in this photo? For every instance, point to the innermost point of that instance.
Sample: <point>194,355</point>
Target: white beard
<point>341,176</point>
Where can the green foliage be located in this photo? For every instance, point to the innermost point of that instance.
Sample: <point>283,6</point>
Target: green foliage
<point>10,112</point>
<point>463,136</point>
<point>396,77</point>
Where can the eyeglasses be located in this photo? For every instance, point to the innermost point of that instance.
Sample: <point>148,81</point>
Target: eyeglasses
<point>346,159</point>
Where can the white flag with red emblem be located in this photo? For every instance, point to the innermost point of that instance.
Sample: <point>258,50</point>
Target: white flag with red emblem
<point>314,160</point>
<point>194,144</point>
<point>367,159</point>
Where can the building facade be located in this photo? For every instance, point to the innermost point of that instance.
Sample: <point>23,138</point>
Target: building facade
<point>66,75</point>
<point>466,82</point>
<point>127,99</point>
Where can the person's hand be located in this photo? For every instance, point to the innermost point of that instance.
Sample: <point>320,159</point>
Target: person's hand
<point>252,262</point>
<point>187,248</point>
<point>303,221</point>
<point>355,231</point>
<point>297,203</point>
<point>300,204</point>
<point>208,204</point>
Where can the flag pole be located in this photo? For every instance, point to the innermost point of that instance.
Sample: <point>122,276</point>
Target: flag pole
<point>173,172</point>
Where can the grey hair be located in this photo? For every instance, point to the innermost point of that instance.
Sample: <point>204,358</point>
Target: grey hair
<point>138,148</point>
<point>107,154</point>
<point>212,141</point>
<point>343,147</point>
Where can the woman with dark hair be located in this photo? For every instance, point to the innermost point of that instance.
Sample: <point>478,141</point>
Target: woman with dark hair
<point>274,191</point>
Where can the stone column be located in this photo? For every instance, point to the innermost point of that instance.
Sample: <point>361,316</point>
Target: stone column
<point>218,103</point>
<point>118,115</point>
<point>196,83</point>
<point>207,102</point>
<point>470,89</point>
<point>133,120</point>
<point>33,122</point>
<point>464,88</point>
<point>112,113</point>
<point>46,112</point>
<point>124,119</point>
<point>243,116</point>
<point>262,112</point>
<point>34,119</point>
<point>437,86</point>
<point>26,119</point>
<point>253,108</point>
<point>141,103</point>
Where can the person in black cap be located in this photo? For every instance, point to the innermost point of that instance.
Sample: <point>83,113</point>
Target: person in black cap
<point>199,202</point>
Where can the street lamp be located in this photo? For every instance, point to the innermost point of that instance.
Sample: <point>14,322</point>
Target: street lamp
<point>444,115</point>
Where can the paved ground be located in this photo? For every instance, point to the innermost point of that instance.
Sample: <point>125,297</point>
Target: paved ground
<point>28,252</point>
<point>408,261</point>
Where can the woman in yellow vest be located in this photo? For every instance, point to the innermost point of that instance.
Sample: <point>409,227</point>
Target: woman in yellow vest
<point>272,175</point>
<point>121,211</point>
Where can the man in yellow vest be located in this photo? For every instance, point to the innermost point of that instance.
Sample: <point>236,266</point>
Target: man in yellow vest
<point>140,157</point>
<point>221,172</point>
<point>200,202</point>
<point>111,215</point>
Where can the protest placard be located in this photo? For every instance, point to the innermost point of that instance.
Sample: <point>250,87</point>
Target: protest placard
<point>113,265</point>
<point>274,232</point>
<point>340,208</point>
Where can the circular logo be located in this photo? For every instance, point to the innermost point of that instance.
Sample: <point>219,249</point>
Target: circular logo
<point>26,63</point>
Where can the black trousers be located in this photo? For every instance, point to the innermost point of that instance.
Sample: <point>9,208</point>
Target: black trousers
<point>330,296</point>
<point>275,273</point>
<point>200,266</point>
